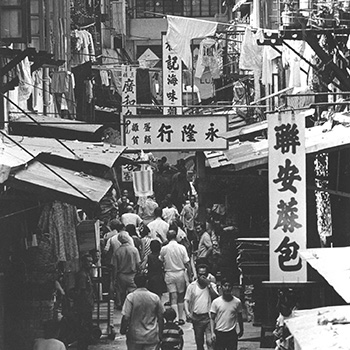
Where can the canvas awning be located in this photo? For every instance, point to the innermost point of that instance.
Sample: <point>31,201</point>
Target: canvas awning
<point>48,126</point>
<point>243,155</point>
<point>75,184</point>
<point>334,265</point>
<point>93,152</point>
<point>321,328</point>
<point>51,177</point>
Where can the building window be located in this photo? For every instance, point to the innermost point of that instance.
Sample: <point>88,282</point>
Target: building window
<point>187,8</point>
<point>15,21</point>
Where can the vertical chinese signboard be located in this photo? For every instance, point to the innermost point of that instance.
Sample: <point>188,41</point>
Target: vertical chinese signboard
<point>287,196</point>
<point>128,90</point>
<point>172,80</point>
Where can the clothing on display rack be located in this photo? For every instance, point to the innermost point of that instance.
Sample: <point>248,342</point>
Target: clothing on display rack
<point>25,79</point>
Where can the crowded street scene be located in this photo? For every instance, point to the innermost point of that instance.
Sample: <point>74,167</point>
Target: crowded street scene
<point>174,174</point>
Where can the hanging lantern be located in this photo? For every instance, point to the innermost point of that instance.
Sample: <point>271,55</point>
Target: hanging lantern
<point>143,182</point>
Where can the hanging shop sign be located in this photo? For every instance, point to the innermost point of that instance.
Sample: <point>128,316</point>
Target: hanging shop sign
<point>128,90</point>
<point>172,80</point>
<point>287,193</point>
<point>127,170</point>
<point>195,132</point>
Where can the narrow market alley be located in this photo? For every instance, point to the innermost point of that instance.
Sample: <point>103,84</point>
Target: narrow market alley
<point>249,341</point>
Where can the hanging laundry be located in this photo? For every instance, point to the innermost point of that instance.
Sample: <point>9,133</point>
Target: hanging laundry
<point>26,83</point>
<point>104,77</point>
<point>62,86</point>
<point>182,30</point>
<point>209,56</point>
<point>116,80</point>
<point>38,90</point>
<point>83,49</point>
<point>268,64</point>
<point>251,53</point>
<point>291,62</point>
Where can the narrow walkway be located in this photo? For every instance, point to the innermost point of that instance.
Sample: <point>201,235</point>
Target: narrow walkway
<point>249,341</point>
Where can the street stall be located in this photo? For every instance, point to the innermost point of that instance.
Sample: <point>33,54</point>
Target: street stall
<point>46,185</point>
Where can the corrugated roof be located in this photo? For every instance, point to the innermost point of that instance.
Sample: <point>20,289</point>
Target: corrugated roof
<point>242,155</point>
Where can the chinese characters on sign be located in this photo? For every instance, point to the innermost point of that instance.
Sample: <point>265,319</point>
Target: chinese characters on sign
<point>175,133</point>
<point>287,193</point>
<point>128,90</point>
<point>172,80</point>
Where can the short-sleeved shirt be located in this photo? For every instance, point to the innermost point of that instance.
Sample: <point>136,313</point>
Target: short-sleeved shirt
<point>204,245</point>
<point>226,313</point>
<point>143,308</point>
<point>174,257</point>
<point>199,299</point>
<point>158,225</point>
<point>126,259</point>
<point>131,219</point>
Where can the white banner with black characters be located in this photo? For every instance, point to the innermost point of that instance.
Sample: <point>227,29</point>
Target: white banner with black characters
<point>128,90</point>
<point>197,132</point>
<point>287,196</point>
<point>172,80</point>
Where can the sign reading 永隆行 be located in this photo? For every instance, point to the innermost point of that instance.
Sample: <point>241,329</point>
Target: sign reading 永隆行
<point>196,132</point>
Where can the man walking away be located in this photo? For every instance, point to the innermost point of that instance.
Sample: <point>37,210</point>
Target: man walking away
<point>198,299</point>
<point>176,264</point>
<point>226,312</point>
<point>142,317</point>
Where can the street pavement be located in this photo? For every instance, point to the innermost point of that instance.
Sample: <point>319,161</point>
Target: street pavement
<point>249,341</point>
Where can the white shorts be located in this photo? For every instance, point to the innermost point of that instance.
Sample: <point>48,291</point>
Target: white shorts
<point>175,281</point>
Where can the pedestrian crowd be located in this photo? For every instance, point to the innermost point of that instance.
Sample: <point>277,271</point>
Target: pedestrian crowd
<point>154,250</point>
<point>162,249</point>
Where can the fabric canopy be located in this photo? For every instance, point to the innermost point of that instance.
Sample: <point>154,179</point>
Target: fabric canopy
<point>334,265</point>
<point>181,30</point>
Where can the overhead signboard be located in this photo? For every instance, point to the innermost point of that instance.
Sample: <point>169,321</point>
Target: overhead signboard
<point>195,132</point>
<point>287,196</point>
<point>172,80</point>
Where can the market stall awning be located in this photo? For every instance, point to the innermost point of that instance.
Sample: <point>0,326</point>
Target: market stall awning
<point>75,184</point>
<point>334,265</point>
<point>93,152</point>
<point>321,328</point>
<point>243,155</point>
<point>49,126</point>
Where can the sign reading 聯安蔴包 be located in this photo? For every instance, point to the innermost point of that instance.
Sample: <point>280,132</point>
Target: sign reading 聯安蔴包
<point>172,80</point>
<point>287,196</point>
<point>195,132</point>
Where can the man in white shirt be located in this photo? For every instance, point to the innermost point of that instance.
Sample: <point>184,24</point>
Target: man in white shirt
<point>199,295</point>
<point>226,313</point>
<point>158,227</point>
<point>176,264</point>
<point>130,217</point>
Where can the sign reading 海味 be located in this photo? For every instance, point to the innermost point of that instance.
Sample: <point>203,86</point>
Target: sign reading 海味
<point>172,80</point>
<point>196,132</point>
<point>287,196</point>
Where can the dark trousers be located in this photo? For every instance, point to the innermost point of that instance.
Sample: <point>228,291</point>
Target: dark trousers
<point>226,340</point>
<point>85,328</point>
<point>201,328</point>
